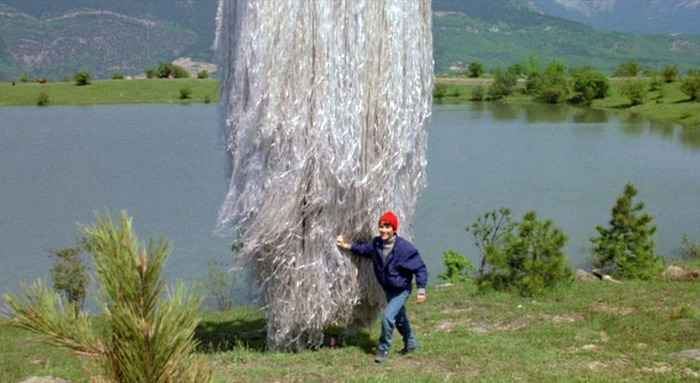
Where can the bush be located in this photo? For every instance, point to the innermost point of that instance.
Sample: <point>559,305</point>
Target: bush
<point>531,65</point>
<point>634,91</point>
<point>439,91</point>
<point>43,99</point>
<point>475,69</point>
<point>166,70</point>
<point>207,99</point>
<point>478,93</point>
<point>534,82</point>
<point>690,249</point>
<point>626,247</point>
<point>117,76</point>
<point>670,73</point>
<point>554,85</point>
<point>503,84</point>
<point>657,81</point>
<point>589,84</point>
<point>457,267</point>
<point>203,74</point>
<point>691,87</point>
<point>529,261</point>
<point>219,283</point>
<point>151,73</point>
<point>146,332</point>
<point>69,274</point>
<point>553,94</point>
<point>185,93</point>
<point>489,230</point>
<point>82,78</point>
<point>180,72</point>
<point>629,68</point>
<point>516,69</point>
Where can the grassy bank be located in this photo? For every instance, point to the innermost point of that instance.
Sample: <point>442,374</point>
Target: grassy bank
<point>593,332</point>
<point>667,105</point>
<point>110,92</point>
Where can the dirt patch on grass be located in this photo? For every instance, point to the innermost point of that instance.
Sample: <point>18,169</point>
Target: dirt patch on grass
<point>664,369</point>
<point>420,366</point>
<point>445,325</point>
<point>688,354</point>
<point>596,365</point>
<point>483,327</point>
<point>615,310</point>
<point>609,364</point>
<point>559,318</point>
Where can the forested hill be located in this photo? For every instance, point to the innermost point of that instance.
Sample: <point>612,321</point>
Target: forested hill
<point>500,33</point>
<point>60,37</point>
<point>649,17</point>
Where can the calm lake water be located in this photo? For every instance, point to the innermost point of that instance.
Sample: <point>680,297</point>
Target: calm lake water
<point>164,164</point>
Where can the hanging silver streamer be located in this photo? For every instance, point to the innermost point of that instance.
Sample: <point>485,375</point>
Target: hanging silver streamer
<point>325,105</point>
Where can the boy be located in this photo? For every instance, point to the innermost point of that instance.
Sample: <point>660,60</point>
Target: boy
<point>395,261</point>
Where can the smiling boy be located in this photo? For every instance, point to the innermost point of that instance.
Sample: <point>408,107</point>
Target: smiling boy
<point>395,262</point>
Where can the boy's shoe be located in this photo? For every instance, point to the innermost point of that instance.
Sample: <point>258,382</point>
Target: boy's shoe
<point>382,356</point>
<point>408,350</point>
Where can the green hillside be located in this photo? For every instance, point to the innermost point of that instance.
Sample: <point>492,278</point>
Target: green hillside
<point>502,33</point>
<point>58,38</point>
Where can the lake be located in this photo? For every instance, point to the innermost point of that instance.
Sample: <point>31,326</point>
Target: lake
<point>165,165</point>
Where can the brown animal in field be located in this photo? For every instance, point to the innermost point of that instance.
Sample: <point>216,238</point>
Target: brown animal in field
<point>41,81</point>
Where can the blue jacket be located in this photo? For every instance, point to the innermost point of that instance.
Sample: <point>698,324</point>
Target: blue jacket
<point>403,261</point>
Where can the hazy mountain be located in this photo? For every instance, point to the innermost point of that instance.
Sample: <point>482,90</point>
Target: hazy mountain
<point>60,37</point>
<point>56,38</point>
<point>504,32</point>
<point>630,16</point>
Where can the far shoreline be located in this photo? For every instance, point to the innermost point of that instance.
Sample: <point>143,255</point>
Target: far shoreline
<point>671,107</point>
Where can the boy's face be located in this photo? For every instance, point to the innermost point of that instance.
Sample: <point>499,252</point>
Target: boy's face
<point>386,231</point>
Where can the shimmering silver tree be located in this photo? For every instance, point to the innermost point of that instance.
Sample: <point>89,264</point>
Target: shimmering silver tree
<point>324,107</point>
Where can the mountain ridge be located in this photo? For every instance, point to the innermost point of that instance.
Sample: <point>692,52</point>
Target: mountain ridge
<point>649,17</point>
<point>56,39</point>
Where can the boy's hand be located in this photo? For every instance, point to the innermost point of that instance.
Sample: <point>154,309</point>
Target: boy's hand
<point>420,299</point>
<point>340,241</point>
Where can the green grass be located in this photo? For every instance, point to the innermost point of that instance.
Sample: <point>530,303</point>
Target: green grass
<point>593,332</point>
<point>22,355</point>
<point>669,105</point>
<point>110,92</point>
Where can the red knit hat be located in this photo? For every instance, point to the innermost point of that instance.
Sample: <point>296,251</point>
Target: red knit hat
<point>391,219</point>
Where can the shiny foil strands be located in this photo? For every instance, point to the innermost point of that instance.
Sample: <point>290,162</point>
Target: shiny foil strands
<point>325,105</point>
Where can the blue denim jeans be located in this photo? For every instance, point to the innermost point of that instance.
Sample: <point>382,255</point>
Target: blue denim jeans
<point>395,316</point>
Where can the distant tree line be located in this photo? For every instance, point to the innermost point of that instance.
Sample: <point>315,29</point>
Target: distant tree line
<point>528,256</point>
<point>557,83</point>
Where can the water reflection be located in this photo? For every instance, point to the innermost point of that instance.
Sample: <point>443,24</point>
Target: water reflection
<point>542,113</point>
<point>663,129</point>
<point>590,116</point>
<point>690,137</point>
<point>502,111</point>
<point>632,124</point>
<point>477,106</point>
<point>547,113</point>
